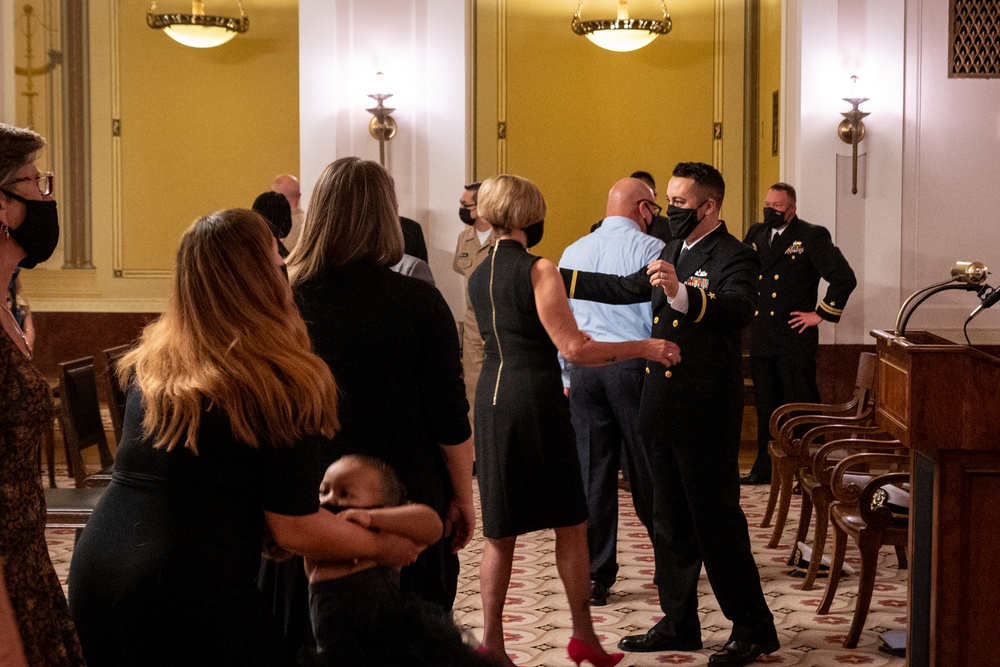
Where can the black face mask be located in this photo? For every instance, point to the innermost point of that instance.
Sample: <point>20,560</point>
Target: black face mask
<point>774,218</point>
<point>682,221</point>
<point>38,234</point>
<point>534,233</point>
<point>465,215</point>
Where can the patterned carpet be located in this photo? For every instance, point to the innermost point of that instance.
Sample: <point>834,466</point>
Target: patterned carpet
<point>537,618</point>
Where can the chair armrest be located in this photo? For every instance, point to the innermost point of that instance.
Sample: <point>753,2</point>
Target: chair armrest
<point>874,510</point>
<point>829,455</point>
<point>792,446</point>
<point>851,493</point>
<point>789,410</point>
<point>817,436</point>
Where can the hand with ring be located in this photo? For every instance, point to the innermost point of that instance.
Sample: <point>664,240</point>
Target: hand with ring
<point>662,274</point>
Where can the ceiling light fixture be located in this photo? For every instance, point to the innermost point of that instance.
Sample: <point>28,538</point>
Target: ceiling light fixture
<point>198,29</point>
<point>623,33</point>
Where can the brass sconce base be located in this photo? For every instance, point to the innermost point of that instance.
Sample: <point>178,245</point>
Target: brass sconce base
<point>846,130</point>
<point>382,126</point>
<point>851,131</point>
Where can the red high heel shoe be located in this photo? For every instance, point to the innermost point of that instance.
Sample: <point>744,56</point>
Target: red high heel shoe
<point>579,651</point>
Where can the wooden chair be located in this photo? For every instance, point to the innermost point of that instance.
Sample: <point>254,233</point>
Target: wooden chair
<point>71,508</point>
<point>791,420</point>
<point>81,421</point>
<point>116,393</point>
<point>826,446</point>
<point>864,514</point>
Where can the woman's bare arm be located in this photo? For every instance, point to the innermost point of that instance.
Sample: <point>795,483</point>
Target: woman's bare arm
<point>576,346</point>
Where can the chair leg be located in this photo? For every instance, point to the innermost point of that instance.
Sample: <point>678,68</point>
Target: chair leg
<point>819,539</point>
<point>784,500</point>
<point>839,550</point>
<point>805,515</point>
<point>901,557</point>
<point>772,498</point>
<point>868,545</point>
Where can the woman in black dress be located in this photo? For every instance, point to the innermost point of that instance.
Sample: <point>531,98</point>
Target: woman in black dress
<point>529,475</point>
<point>392,344</point>
<point>223,426</point>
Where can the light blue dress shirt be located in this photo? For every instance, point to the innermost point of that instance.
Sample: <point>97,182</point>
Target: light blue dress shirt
<point>620,248</point>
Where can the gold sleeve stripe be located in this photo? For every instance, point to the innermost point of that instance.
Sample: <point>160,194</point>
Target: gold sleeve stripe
<point>830,309</point>
<point>704,305</point>
<point>572,284</point>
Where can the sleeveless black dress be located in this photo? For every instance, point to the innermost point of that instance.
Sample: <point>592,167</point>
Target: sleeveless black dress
<point>528,470</point>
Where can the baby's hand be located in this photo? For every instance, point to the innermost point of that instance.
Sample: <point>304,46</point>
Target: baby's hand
<point>361,518</point>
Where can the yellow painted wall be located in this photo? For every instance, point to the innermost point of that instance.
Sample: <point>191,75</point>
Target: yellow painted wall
<point>202,129</point>
<point>580,117</point>
<point>770,81</point>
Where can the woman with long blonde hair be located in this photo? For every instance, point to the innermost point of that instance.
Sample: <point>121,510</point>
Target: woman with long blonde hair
<point>226,413</point>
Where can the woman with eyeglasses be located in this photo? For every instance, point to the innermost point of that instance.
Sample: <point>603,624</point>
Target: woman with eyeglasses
<point>42,632</point>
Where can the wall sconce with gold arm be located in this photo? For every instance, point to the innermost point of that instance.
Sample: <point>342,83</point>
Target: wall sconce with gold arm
<point>852,130</point>
<point>198,29</point>
<point>622,33</point>
<point>382,126</point>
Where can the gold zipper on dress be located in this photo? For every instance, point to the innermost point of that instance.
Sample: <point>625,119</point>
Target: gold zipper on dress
<point>493,306</point>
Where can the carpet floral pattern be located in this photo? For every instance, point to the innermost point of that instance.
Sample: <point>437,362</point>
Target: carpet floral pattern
<point>537,620</point>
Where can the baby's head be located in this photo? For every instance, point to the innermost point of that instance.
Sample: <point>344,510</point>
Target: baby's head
<point>360,481</point>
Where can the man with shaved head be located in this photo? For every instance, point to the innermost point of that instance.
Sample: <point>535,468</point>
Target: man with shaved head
<point>604,401</point>
<point>288,185</point>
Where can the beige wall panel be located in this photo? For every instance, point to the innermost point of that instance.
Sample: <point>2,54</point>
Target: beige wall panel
<point>580,117</point>
<point>770,82</point>
<point>202,129</point>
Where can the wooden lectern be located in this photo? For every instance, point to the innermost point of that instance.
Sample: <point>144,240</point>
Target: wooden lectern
<point>942,400</point>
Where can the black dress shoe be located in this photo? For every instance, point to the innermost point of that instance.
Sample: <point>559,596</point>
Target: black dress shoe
<point>657,640</point>
<point>742,653</point>
<point>599,594</point>
<point>755,478</point>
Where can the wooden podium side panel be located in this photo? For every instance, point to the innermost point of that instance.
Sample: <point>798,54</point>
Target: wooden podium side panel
<point>892,389</point>
<point>966,558</point>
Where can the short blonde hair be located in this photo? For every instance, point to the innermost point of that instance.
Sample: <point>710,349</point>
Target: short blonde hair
<point>510,203</point>
<point>353,217</point>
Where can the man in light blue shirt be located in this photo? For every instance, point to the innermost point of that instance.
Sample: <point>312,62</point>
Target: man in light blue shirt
<point>604,401</point>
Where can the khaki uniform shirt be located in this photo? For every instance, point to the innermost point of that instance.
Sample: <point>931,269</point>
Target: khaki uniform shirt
<point>469,254</point>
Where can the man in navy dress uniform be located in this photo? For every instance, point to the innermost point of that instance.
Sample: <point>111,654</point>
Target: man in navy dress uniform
<point>703,294</point>
<point>784,333</point>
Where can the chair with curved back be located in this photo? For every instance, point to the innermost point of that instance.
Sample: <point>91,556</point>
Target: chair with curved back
<point>790,421</point>
<point>825,447</point>
<point>81,421</point>
<point>868,516</point>
<point>116,392</point>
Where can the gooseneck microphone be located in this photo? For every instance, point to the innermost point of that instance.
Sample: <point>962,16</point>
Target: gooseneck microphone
<point>968,276</point>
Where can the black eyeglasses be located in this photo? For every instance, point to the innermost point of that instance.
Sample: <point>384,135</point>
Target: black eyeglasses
<point>43,181</point>
<point>653,206</point>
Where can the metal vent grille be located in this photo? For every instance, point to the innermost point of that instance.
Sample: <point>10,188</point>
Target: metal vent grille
<point>975,39</point>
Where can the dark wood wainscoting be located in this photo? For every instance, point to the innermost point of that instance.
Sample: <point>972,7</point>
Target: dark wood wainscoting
<point>66,336</point>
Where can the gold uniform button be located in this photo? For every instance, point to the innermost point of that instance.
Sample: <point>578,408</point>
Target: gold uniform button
<point>656,320</point>
<point>756,312</point>
<point>775,276</point>
<point>676,324</point>
<point>760,277</point>
<point>772,313</point>
<point>668,374</point>
<point>774,295</point>
<point>647,370</point>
